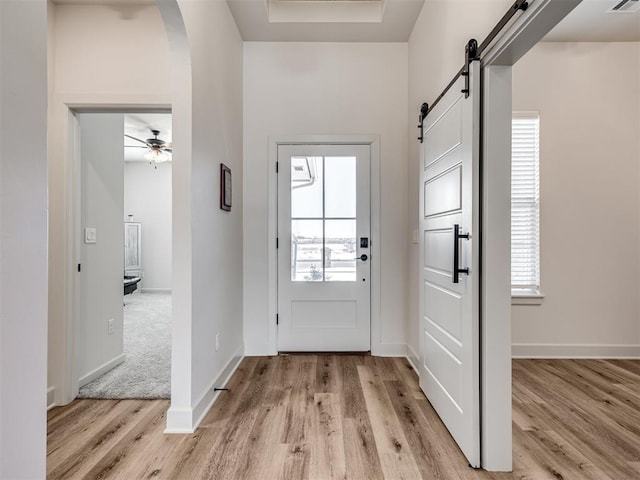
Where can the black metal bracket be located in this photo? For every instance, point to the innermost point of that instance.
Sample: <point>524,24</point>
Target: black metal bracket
<point>424,109</point>
<point>470,54</point>
<point>216,389</point>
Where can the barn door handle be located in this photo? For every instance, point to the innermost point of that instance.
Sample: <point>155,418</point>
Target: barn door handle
<point>456,253</point>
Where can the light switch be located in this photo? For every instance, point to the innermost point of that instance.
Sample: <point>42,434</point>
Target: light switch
<point>89,235</point>
<point>415,236</point>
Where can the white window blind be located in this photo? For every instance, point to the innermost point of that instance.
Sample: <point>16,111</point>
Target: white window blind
<point>525,203</point>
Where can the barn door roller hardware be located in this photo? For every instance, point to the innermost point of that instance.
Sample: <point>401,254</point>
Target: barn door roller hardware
<point>424,108</point>
<point>470,54</point>
<point>473,52</point>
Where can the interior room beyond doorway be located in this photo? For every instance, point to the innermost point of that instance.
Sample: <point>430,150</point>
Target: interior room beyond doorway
<point>124,338</point>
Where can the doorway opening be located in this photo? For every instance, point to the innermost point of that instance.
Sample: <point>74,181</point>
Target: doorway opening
<point>123,294</point>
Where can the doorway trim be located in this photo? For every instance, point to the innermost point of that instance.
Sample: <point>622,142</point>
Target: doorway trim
<point>495,342</point>
<point>65,379</point>
<point>373,141</point>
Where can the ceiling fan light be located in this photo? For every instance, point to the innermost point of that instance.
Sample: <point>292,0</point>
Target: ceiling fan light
<point>156,156</point>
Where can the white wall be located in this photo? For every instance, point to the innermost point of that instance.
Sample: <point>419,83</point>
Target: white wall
<point>147,196</point>
<point>111,49</point>
<point>100,286</point>
<point>587,95</point>
<point>331,89</point>
<point>23,238</point>
<point>207,260</point>
<point>436,53</point>
<point>98,55</point>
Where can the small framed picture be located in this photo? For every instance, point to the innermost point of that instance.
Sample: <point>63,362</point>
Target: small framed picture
<point>225,187</point>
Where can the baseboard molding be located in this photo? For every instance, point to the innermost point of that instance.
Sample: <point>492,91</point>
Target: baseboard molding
<point>208,398</point>
<point>390,350</point>
<point>179,420</point>
<point>413,358</point>
<point>186,420</point>
<point>101,370</point>
<point>260,353</point>
<point>155,290</point>
<point>530,350</point>
<point>51,395</point>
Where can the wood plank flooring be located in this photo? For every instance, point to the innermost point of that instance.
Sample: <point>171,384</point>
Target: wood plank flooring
<point>296,417</point>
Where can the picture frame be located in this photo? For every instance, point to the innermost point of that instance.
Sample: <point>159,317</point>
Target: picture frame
<point>225,188</point>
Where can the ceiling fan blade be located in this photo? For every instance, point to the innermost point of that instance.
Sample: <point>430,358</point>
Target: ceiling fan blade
<point>135,146</point>
<point>136,139</point>
<point>170,150</point>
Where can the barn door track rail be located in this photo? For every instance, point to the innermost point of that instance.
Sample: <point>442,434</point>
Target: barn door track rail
<point>473,52</point>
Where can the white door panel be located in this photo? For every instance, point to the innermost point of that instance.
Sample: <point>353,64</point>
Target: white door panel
<point>445,132</point>
<point>437,248</point>
<point>323,214</point>
<point>442,194</point>
<point>449,318</point>
<point>324,314</point>
<point>445,311</point>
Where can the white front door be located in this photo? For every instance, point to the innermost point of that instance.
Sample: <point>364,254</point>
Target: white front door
<point>449,240</point>
<point>324,248</point>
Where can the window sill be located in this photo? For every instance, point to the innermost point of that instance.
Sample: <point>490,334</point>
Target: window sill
<point>523,297</point>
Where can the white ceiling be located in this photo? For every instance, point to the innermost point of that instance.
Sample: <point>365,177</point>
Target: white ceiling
<point>139,125</point>
<point>589,22</point>
<point>398,19</point>
<point>104,2</point>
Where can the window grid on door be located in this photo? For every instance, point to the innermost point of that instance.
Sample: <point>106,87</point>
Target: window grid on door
<point>323,246</point>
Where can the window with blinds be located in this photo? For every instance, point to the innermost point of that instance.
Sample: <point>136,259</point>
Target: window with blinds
<point>525,203</point>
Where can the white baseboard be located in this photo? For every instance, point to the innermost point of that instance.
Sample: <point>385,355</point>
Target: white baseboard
<point>101,370</point>
<point>179,420</point>
<point>531,350</point>
<point>155,290</point>
<point>413,358</point>
<point>260,353</point>
<point>51,395</point>
<point>186,420</point>
<point>206,401</point>
<point>390,350</point>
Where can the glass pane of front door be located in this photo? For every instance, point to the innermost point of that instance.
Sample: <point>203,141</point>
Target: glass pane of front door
<point>306,251</point>
<point>323,219</point>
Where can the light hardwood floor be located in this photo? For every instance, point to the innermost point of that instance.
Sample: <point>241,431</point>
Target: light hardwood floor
<point>358,417</point>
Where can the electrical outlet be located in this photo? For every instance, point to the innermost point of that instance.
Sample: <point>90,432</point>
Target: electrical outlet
<point>217,342</point>
<point>110,326</point>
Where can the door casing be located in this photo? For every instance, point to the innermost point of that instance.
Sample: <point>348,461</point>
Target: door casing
<point>65,376</point>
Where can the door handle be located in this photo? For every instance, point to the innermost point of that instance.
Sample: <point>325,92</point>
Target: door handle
<point>456,253</point>
<point>362,257</point>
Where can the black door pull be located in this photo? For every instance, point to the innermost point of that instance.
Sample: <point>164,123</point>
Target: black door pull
<point>456,253</point>
<point>362,257</point>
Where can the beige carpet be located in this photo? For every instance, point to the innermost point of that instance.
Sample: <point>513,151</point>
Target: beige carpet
<point>146,372</point>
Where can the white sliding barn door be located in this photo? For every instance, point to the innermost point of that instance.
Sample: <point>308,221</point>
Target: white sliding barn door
<point>449,306</point>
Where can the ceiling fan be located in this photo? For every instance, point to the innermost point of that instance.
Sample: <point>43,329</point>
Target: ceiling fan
<point>156,148</point>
